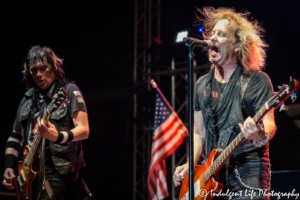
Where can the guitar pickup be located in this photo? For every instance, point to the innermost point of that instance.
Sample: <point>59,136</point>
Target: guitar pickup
<point>21,179</point>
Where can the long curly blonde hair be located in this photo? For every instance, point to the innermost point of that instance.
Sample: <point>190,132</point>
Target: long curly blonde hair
<point>248,35</point>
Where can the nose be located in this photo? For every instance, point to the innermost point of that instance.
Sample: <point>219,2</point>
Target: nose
<point>214,38</point>
<point>38,73</point>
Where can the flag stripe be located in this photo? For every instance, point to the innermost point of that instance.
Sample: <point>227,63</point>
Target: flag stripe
<point>167,147</point>
<point>166,129</point>
<point>169,132</point>
<point>164,143</point>
<point>164,125</point>
<point>161,182</point>
<point>160,141</point>
<point>163,155</point>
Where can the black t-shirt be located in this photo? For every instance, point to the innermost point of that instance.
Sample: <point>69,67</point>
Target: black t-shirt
<point>76,102</point>
<point>258,92</point>
<point>219,88</point>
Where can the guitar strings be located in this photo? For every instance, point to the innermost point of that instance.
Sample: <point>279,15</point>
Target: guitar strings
<point>36,140</point>
<point>269,102</point>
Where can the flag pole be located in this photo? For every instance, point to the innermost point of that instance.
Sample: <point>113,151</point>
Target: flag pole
<point>154,85</point>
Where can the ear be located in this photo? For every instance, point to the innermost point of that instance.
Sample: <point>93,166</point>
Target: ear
<point>237,47</point>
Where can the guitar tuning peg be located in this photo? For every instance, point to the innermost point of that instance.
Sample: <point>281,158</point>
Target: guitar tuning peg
<point>291,78</point>
<point>294,97</point>
<point>281,86</point>
<point>283,107</point>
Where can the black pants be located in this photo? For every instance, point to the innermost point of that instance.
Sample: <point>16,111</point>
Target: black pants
<point>67,190</point>
<point>252,174</point>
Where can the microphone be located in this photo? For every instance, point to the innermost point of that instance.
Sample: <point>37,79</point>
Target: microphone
<point>199,43</point>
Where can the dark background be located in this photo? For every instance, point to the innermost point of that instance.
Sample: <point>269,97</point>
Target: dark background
<point>96,42</point>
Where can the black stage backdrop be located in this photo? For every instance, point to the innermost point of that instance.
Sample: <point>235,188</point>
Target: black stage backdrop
<point>96,42</point>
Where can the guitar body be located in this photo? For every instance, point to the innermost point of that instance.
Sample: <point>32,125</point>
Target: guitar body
<point>206,189</point>
<point>25,177</point>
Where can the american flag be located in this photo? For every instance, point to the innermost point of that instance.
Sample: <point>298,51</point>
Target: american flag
<point>169,132</point>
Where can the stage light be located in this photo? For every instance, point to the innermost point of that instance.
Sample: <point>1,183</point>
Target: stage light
<point>181,35</point>
<point>201,29</point>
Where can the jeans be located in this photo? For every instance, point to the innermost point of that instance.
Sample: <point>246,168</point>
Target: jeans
<point>253,174</point>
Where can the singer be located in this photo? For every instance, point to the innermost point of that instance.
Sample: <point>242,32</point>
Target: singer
<point>60,149</point>
<point>226,99</point>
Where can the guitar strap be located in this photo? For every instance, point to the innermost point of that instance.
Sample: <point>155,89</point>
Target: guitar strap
<point>48,189</point>
<point>225,134</point>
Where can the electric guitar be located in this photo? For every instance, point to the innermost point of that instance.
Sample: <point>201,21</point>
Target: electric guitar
<point>205,183</point>
<point>26,167</point>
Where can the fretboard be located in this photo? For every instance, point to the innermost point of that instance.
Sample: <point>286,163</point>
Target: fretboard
<point>37,138</point>
<point>223,157</point>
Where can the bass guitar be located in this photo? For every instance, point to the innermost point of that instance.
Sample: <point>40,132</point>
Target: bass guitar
<point>205,177</point>
<point>25,167</point>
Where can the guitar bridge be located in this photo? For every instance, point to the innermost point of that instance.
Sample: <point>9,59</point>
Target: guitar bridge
<point>21,180</point>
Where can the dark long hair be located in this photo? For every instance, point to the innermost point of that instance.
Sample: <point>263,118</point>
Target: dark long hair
<point>43,53</point>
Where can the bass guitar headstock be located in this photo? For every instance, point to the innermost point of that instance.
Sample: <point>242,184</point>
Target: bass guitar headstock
<point>286,91</point>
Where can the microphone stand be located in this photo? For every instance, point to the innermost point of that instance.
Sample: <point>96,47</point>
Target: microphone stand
<point>191,118</point>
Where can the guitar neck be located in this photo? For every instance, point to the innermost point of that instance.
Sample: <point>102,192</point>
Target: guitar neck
<point>35,142</point>
<point>57,100</point>
<point>224,156</point>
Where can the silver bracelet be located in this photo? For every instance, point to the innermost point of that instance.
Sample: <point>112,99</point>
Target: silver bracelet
<point>262,143</point>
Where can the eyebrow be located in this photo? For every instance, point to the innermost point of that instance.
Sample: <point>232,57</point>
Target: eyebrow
<point>37,66</point>
<point>218,30</point>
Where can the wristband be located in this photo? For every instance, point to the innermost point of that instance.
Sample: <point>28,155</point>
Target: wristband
<point>64,136</point>
<point>60,138</point>
<point>10,161</point>
<point>70,136</point>
<point>14,141</point>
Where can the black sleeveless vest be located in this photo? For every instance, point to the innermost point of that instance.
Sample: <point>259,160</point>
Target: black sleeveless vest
<point>67,157</point>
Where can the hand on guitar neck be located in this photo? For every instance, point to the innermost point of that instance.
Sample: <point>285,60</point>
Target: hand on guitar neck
<point>252,132</point>
<point>47,131</point>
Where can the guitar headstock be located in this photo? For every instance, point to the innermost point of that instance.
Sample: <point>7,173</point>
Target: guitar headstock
<point>58,99</point>
<point>285,92</point>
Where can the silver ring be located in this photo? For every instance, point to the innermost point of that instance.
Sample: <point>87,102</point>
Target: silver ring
<point>4,181</point>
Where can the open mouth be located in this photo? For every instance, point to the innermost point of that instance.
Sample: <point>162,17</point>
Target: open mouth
<point>215,48</point>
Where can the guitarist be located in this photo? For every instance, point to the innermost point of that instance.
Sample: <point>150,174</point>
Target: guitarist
<point>60,149</point>
<point>233,90</point>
